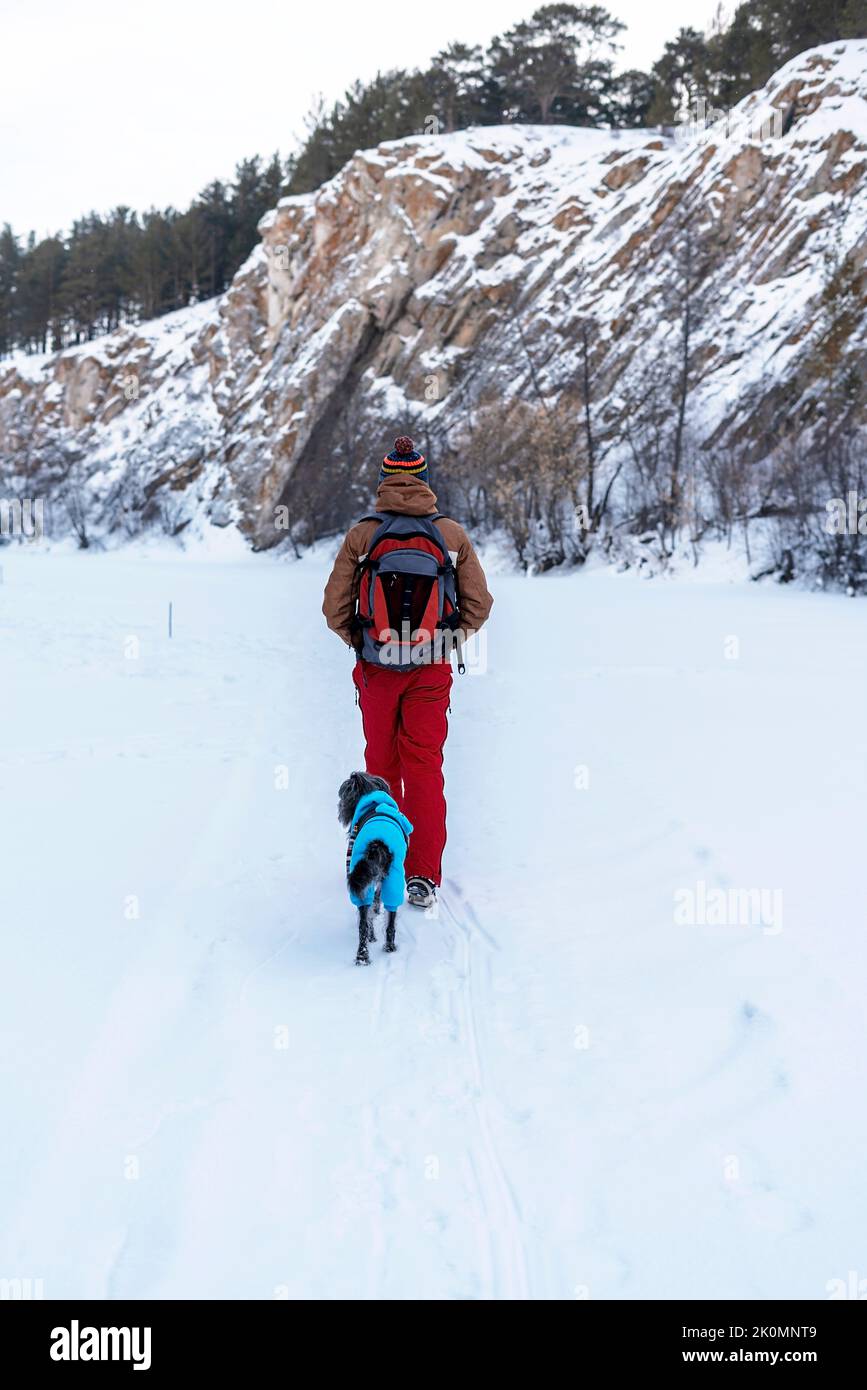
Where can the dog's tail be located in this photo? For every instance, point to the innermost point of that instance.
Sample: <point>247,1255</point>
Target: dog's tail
<point>371,867</point>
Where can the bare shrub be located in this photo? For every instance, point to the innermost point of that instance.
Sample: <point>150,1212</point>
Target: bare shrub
<point>520,469</point>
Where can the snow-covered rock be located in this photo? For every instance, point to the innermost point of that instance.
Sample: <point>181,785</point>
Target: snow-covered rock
<point>431,272</point>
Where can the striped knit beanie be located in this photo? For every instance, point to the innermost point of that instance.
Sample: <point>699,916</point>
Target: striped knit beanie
<point>404,461</point>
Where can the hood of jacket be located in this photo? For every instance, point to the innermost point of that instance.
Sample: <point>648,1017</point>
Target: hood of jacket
<point>410,496</point>
<point>389,804</point>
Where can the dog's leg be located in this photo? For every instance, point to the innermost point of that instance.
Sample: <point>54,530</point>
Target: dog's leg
<point>389,932</point>
<point>363,955</point>
<point>371,916</point>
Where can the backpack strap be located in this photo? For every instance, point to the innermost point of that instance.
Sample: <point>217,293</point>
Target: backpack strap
<point>357,624</point>
<point>384,520</point>
<point>450,568</point>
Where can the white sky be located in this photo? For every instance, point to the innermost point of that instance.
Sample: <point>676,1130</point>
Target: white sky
<point>103,103</point>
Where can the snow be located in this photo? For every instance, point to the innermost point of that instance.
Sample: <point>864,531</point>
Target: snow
<point>466,148</point>
<point>31,366</point>
<point>552,1090</point>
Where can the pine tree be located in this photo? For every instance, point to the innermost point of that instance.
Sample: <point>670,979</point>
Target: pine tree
<point>158,284</point>
<point>630,99</point>
<point>246,209</point>
<point>275,181</point>
<point>456,83</point>
<point>212,226</point>
<point>10,270</point>
<point>117,298</point>
<point>255,190</point>
<point>681,76</point>
<point>41,322</point>
<point>739,57</point>
<point>80,291</point>
<point>549,67</point>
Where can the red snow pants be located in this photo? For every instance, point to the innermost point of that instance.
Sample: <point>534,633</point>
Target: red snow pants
<point>404,714</point>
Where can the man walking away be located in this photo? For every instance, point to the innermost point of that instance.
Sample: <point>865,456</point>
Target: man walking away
<point>398,591</point>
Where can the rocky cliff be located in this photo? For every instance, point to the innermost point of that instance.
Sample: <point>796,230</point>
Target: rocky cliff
<point>440,271</point>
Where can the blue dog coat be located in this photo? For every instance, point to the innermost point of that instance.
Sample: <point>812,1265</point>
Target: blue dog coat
<point>387,825</point>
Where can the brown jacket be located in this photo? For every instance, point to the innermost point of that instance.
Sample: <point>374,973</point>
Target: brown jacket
<point>413,498</point>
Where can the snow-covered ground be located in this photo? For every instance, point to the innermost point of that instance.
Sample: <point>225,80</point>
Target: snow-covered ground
<point>556,1088</point>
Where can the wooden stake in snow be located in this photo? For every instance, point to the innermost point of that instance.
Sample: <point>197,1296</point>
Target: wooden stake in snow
<point>170,620</point>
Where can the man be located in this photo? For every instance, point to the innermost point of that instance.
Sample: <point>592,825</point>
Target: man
<point>404,711</point>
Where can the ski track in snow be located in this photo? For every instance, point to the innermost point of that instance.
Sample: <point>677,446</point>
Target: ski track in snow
<point>503,1218</point>
<point>549,1090</point>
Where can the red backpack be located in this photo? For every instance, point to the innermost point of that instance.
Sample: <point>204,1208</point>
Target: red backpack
<point>407,594</point>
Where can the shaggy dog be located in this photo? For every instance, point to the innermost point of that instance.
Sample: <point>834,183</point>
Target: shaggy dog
<point>378,840</point>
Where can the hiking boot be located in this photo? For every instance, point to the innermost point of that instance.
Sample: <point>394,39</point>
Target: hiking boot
<point>420,892</point>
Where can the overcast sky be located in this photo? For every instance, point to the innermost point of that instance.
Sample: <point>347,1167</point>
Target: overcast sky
<point>104,103</point>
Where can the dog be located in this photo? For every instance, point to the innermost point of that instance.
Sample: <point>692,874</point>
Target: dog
<point>378,840</point>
